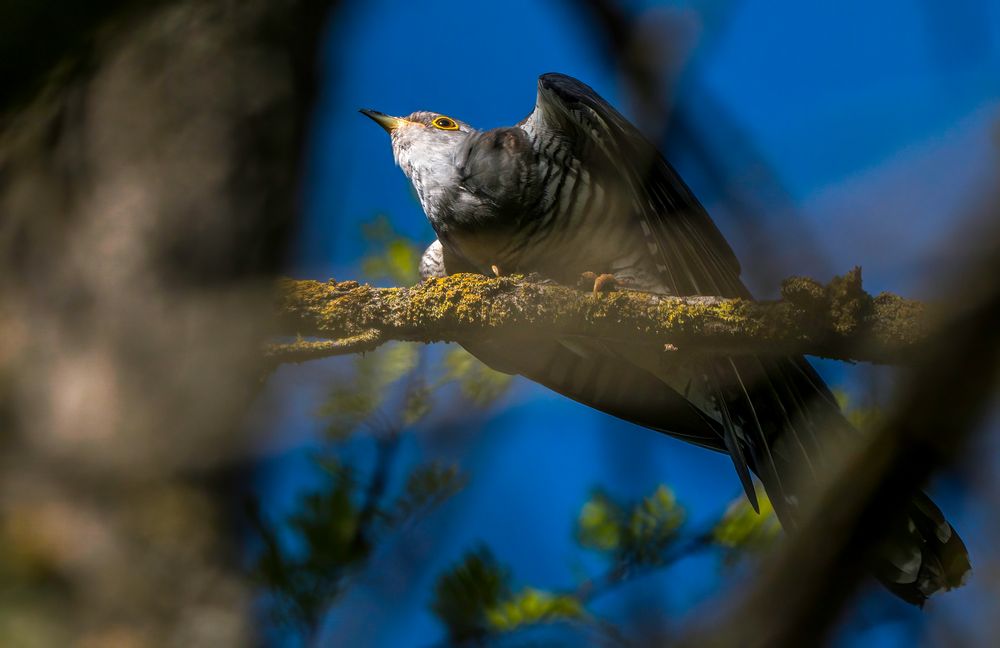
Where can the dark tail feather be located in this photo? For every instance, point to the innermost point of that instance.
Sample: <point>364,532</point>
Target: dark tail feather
<point>924,556</point>
<point>787,401</point>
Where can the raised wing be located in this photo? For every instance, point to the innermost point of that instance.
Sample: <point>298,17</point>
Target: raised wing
<point>756,405</point>
<point>692,256</point>
<point>689,252</point>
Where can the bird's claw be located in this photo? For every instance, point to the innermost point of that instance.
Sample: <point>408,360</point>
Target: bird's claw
<point>601,282</point>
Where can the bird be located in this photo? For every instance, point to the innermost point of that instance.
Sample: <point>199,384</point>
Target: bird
<point>573,191</point>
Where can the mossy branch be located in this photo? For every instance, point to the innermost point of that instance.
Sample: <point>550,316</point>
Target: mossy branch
<point>839,320</point>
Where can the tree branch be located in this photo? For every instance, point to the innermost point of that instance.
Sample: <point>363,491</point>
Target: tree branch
<point>305,350</point>
<point>839,320</point>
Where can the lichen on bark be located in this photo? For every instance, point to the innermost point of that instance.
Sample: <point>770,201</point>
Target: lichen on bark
<point>837,320</point>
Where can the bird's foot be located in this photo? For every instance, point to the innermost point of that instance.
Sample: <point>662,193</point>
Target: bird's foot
<point>496,270</point>
<point>601,282</point>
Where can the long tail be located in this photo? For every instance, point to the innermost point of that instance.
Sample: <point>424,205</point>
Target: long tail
<point>791,422</point>
<point>924,556</point>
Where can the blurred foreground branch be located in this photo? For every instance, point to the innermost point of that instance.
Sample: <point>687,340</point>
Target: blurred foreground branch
<point>150,159</point>
<point>839,320</point>
<point>802,590</point>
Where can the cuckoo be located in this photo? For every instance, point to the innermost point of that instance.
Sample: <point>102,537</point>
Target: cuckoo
<point>574,190</point>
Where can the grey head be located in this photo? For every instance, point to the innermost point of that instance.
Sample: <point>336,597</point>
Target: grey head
<point>426,146</point>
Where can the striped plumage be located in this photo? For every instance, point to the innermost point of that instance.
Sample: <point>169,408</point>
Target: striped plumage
<point>575,188</point>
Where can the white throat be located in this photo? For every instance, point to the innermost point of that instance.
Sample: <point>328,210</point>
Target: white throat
<point>429,160</point>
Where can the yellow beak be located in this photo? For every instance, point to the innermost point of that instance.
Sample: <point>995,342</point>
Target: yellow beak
<point>388,122</point>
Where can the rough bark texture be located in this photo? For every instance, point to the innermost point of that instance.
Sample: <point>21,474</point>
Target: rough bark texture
<point>839,320</point>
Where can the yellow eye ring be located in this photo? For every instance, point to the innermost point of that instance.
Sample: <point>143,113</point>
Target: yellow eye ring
<point>445,123</point>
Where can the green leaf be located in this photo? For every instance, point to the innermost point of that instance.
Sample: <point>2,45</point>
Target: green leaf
<point>326,524</point>
<point>599,524</point>
<point>427,487</point>
<point>742,528</point>
<point>653,524</point>
<point>638,534</point>
<point>394,257</point>
<point>531,606</point>
<point>463,595</point>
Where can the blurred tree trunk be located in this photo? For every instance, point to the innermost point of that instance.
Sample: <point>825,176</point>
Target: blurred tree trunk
<point>148,181</point>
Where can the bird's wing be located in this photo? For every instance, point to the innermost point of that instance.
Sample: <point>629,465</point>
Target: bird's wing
<point>603,381</point>
<point>774,414</point>
<point>692,256</point>
<point>758,402</point>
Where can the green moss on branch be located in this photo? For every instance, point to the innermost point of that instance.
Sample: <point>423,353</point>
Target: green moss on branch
<point>839,320</point>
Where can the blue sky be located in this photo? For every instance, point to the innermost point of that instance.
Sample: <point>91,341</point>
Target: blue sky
<point>878,121</point>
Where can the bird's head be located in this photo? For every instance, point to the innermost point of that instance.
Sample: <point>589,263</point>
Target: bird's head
<point>425,146</point>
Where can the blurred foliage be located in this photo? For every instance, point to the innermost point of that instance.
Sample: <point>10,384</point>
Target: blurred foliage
<point>326,526</point>
<point>475,602</point>
<point>308,558</point>
<point>531,606</point>
<point>477,382</point>
<point>464,594</point>
<point>354,402</point>
<point>394,388</point>
<point>865,418</point>
<point>599,524</point>
<point>741,528</point>
<point>653,524</point>
<point>638,534</point>
<point>395,258</point>
<point>426,487</point>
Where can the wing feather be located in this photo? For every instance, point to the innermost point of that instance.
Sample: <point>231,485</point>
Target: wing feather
<point>691,251</point>
<point>758,401</point>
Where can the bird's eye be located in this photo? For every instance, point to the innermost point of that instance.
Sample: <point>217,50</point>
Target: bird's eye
<point>445,123</point>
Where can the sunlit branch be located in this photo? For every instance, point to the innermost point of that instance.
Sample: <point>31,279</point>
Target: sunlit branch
<point>304,350</point>
<point>839,320</point>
